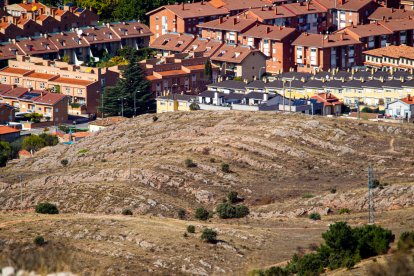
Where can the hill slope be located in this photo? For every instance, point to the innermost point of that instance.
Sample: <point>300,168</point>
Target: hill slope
<point>139,163</point>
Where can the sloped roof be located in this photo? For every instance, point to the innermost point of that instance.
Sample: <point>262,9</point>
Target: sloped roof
<point>324,41</point>
<point>269,32</point>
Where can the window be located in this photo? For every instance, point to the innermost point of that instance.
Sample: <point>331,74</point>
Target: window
<point>80,91</point>
<point>314,60</point>
<point>42,85</point>
<point>16,80</point>
<point>3,79</point>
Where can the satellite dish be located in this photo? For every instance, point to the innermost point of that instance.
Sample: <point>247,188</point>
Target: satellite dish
<point>79,32</point>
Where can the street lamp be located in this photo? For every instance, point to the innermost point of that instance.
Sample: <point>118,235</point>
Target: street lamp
<point>135,104</point>
<point>122,106</point>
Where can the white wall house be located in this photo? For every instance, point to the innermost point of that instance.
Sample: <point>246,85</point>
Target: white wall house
<point>400,109</point>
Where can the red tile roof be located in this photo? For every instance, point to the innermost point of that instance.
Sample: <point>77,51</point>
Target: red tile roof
<point>7,130</point>
<point>393,51</point>
<point>15,92</point>
<point>207,46</point>
<point>237,23</point>
<point>366,30</point>
<point>131,29</point>
<point>173,42</point>
<point>234,54</point>
<point>408,100</point>
<point>73,81</point>
<point>354,5</point>
<point>383,13</point>
<point>269,32</point>
<point>305,8</point>
<point>324,41</point>
<point>398,25</point>
<point>16,71</point>
<point>50,98</point>
<point>236,5</point>
<point>327,99</point>
<point>5,88</point>
<point>192,10</point>
<point>42,76</point>
<point>271,12</point>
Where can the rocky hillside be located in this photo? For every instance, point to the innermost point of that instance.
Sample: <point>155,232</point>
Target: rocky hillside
<point>273,159</point>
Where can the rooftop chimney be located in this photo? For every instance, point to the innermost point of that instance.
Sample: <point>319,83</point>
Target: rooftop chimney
<point>221,20</point>
<point>183,5</point>
<point>275,10</point>
<point>268,29</point>
<point>235,21</point>
<point>307,5</point>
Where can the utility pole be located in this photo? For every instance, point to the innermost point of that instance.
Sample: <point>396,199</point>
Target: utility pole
<point>371,217</point>
<point>102,105</point>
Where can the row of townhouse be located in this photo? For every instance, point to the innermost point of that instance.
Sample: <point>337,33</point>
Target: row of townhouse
<point>253,96</point>
<point>312,16</point>
<point>371,87</point>
<point>53,106</point>
<point>81,44</point>
<point>390,58</point>
<point>241,61</point>
<point>33,19</point>
<point>83,85</point>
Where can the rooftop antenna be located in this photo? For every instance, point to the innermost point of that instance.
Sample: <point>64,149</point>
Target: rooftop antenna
<point>371,209</point>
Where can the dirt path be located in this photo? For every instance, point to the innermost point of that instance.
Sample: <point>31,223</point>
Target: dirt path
<point>392,148</point>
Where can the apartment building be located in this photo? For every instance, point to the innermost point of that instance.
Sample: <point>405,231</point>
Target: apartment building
<point>275,42</point>
<point>383,33</point>
<point>317,52</point>
<point>178,73</point>
<point>391,57</point>
<point>240,61</point>
<point>351,12</point>
<point>310,16</point>
<point>237,6</point>
<point>81,44</point>
<point>273,15</point>
<point>53,106</point>
<point>182,18</point>
<point>82,84</point>
<point>227,29</point>
<point>33,18</point>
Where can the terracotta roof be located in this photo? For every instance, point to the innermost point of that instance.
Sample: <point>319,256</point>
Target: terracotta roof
<point>16,92</point>
<point>173,42</point>
<point>131,29</point>
<point>100,34</point>
<point>82,134</point>
<point>5,88</point>
<point>42,17</point>
<point>327,99</point>
<point>192,10</point>
<point>29,7</point>
<point>7,130</point>
<point>151,77</point>
<point>8,51</point>
<point>207,46</point>
<point>324,41</point>
<point>304,8</point>
<point>237,23</point>
<point>68,40</point>
<point>39,45</point>
<point>196,67</point>
<point>171,73</point>
<point>393,51</point>
<point>236,5</point>
<point>24,153</point>
<point>233,53</point>
<point>50,98</point>
<point>408,100</point>
<point>269,32</point>
<point>367,30</point>
<point>43,76</point>
<point>354,5</point>
<point>382,13</point>
<point>16,71</point>
<point>398,25</point>
<point>73,81</point>
<point>271,12</point>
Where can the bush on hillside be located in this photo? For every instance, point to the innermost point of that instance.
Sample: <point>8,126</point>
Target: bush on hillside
<point>189,163</point>
<point>50,140</point>
<point>233,197</point>
<point>209,235</point>
<point>39,241</point>
<point>344,211</point>
<point>64,162</point>
<point>181,213</point>
<point>201,214</point>
<point>225,168</point>
<point>127,212</point>
<point>33,143</point>
<point>315,216</point>
<point>46,208</point>
<point>191,229</point>
<point>227,210</point>
<point>406,241</point>
<point>5,151</point>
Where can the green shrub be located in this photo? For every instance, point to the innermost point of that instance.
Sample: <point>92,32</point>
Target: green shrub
<point>189,163</point>
<point>315,216</point>
<point>344,211</point>
<point>227,210</point>
<point>64,162</point>
<point>127,212</point>
<point>233,197</point>
<point>225,167</point>
<point>33,142</point>
<point>50,140</point>
<point>212,160</point>
<point>39,241</point>
<point>194,106</point>
<point>154,118</point>
<point>5,152</point>
<point>191,229</point>
<point>181,213</point>
<point>406,241</point>
<point>333,190</point>
<point>46,208</point>
<point>83,151</point>
<point>307,195</point>
<point>372,240</point>
<point>201,214</point>
<point>209,235</point>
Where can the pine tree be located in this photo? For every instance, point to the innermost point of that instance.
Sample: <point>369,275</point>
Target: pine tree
<point>132,84</point>
<point>208,70</point>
